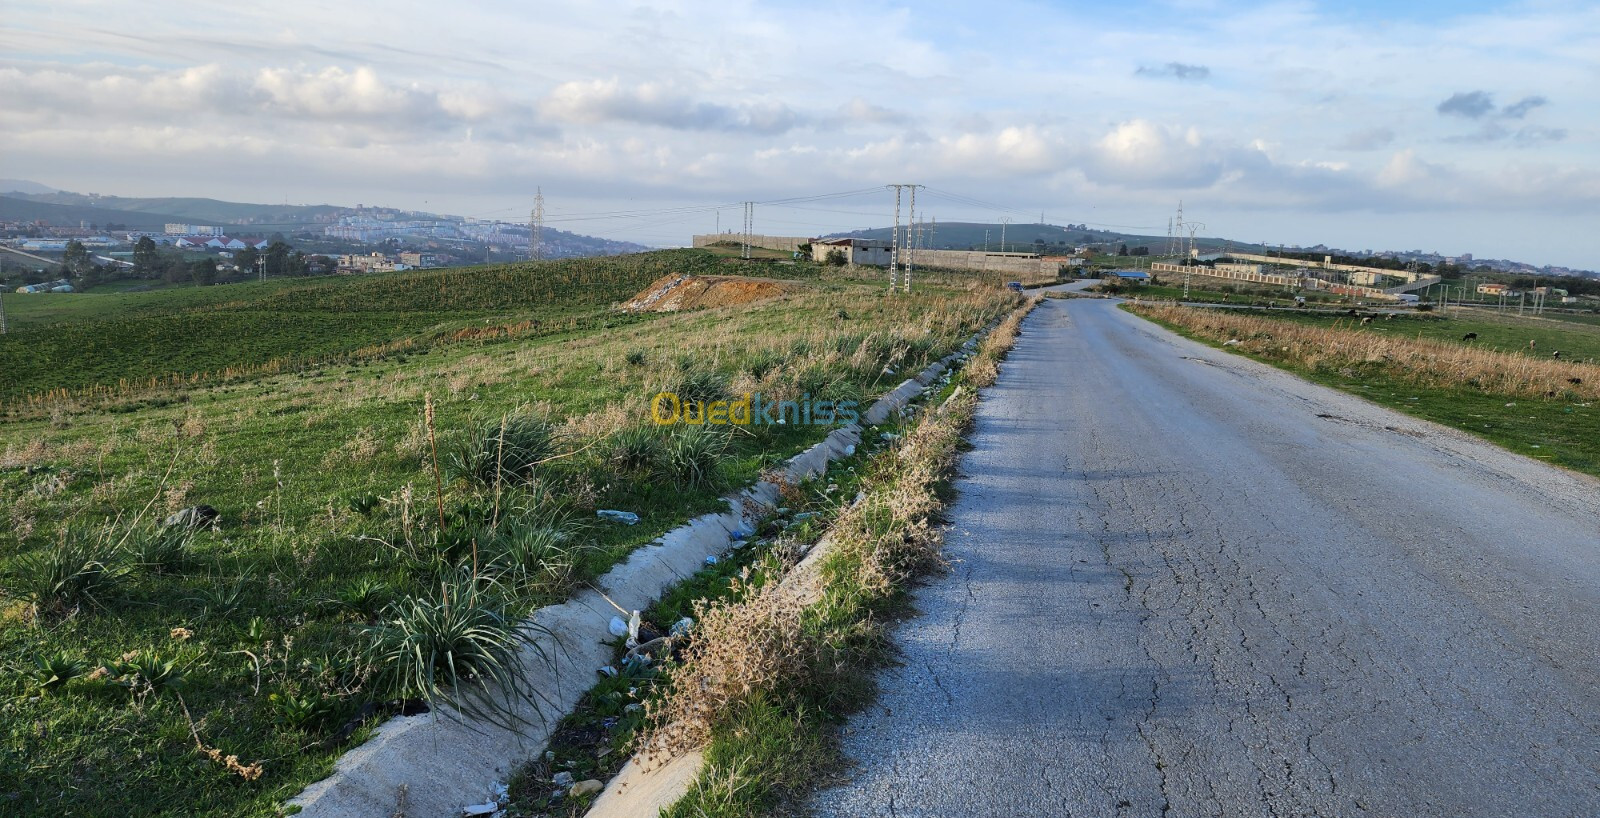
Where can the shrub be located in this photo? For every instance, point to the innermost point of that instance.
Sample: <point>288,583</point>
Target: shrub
<point>436,647</point>
<point>501,451</point>
<point>636,357</point>
<point>81,569</point>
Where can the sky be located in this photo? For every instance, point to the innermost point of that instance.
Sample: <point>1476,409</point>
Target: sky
<point>1456,127</point>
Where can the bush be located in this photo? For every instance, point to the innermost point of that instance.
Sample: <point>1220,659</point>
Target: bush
<point>436,647</point>
<point>501,451</point>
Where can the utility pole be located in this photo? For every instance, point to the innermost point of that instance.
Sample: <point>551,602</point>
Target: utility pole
<point>911,258</point>
<point>986,240</point>
<point>749,228</point>
<point>261,266</point>
<point>896,245</point>
<point>2,313</point>
<point>1004,220</point>
<point>536,227</point>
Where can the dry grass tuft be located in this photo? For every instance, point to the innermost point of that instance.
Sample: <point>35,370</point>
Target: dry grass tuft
<point>1431,364</point>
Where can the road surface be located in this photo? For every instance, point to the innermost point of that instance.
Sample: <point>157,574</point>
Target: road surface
<point>1185,584</point>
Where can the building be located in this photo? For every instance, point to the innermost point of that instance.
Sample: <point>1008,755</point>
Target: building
<point>419,259</point>
<point>870,252</point>
<point>1494,288</point>
<point>192,230</point>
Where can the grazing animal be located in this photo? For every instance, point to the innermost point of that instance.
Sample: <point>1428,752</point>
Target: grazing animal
<point>1350,312</point>
<point>1556,354</point>
<point>1533,345</point>
<point>1471,336</point>
<point>1575,381</point>
<point>1366,321</point>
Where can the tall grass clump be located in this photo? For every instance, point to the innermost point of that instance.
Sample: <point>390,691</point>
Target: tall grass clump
<point>83,568</point>
<point>460,646</point>
<point>504,451</point>
<point>692,454</point>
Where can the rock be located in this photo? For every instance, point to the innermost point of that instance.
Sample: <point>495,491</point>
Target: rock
<point>191,517</point>
<point>588,787</point>
<point>562,779</point>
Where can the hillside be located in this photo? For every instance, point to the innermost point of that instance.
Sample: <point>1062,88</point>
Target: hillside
<point>198,210</point>
<point>17,209</point>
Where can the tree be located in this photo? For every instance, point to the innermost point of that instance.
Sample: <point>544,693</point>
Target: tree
<point>204,271</point>
<point>836,258</point>
<point>76,259</point>
<point>278,258</point>
<point>146,260</point>
<point>1123,250</point>
<point>246,260</point>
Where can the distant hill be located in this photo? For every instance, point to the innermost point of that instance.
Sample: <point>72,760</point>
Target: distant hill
<point>23,186</point>
<point>17,209</point>
<point>193,210</point>
<point>1024,238</point>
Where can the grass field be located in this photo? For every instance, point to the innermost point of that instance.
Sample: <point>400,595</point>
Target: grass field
<point>1577,340</point>
<point>135,666</point>
<point>1532,405</point>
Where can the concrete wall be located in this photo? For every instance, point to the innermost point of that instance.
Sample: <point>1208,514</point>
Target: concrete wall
<point>787,244</point>
<point>1019,264</point>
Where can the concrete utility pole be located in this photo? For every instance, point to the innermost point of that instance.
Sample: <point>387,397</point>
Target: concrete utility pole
<point>1003,222</point>
<point>2,313</point>
<point>749,228</point>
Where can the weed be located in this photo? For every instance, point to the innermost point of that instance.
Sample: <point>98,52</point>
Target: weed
<point>51,671</point>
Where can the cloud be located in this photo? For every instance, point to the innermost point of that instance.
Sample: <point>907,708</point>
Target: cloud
<point>1177,70</point>
<point>1368,140</point>
<point>1520,109</point>
<point>607,101</point>
<point>1470,104</point>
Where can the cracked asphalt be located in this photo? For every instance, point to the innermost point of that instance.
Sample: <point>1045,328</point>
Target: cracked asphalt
<point>1186,584</point>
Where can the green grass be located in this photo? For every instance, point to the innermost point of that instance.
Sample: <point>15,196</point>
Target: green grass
<point>320,476</point>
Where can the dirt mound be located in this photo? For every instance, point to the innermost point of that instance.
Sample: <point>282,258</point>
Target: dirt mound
<point>680,292</point>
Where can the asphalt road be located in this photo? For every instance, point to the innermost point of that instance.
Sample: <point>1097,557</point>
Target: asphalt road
<point>1185,584</point>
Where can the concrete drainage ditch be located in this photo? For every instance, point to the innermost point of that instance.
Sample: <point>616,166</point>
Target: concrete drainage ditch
<point>443,762</point>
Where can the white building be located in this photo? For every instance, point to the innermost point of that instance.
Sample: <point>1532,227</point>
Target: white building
<point>871,252</point>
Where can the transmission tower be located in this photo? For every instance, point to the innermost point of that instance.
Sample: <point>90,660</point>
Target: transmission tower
<point>536,226</point>
<point>1188,262</point>
<point>911,256</point>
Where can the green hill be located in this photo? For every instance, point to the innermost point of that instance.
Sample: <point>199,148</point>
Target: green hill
<point>14,209</point>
